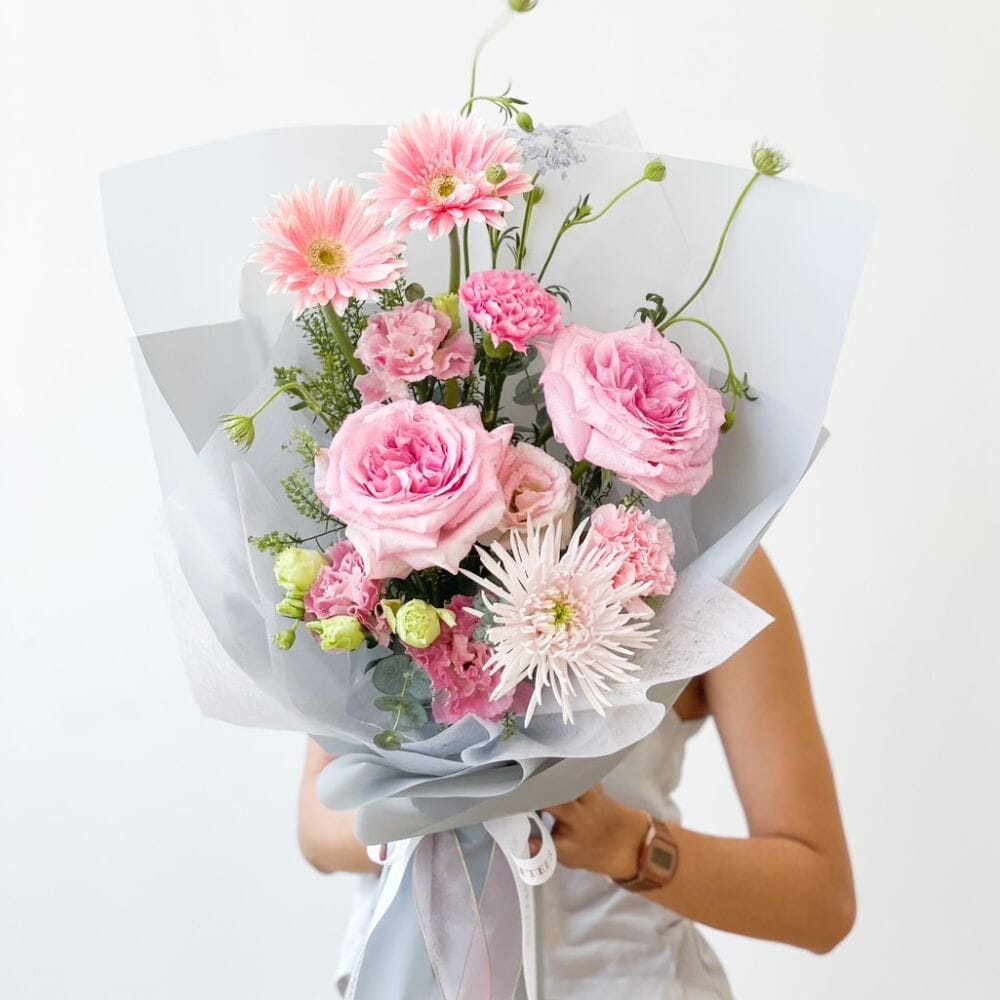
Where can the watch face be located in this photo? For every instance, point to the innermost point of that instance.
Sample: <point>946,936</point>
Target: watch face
<point>662,858</point>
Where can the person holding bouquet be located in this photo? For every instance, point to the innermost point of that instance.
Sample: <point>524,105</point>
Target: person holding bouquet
<point>789,880</point>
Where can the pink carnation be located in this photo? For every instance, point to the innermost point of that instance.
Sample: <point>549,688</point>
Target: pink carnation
<point>536,488</point>
<point>327,247</point>
<point>415,483</point>
<point>512,306</point>
<point>443,171</point>
<point>458,669</point>
<point>645,545</point>
<point>344,588</point>
<point>407,345</point>
<point>631,403</point>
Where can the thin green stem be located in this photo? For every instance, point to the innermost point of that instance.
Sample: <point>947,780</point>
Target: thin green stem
<point>526,225</point>
<point>402,695</point>
<point>296,389</point>
<point>611,204</point>
<point>472,101</point>
<point>494,235</point>
<point>722,242</point>
<point>270,399</point>
<point>563,230</point>
<point>483,42</point>
<point>707,326</point>
<point>569,223</point>
<point>732,380</point>
<point>318,535</point>
<point>455,274</point>
<point>465,250</point>
<point>336,325</point>
<point>451,393</point>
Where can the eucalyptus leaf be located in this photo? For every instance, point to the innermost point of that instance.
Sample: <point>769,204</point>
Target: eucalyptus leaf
<point>413,715</point>
<point>388,739</point>
<point>390,673</point>
<point>519,362</point>
<point>420,685</point>
<point>528,392</point>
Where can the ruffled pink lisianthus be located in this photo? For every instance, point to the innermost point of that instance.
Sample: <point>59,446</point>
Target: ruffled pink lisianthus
<point>415,483</point>
<point>631,403</point>
<point>537,489</point>
<point>343,587</point>
<point>407,345</point>
<point>327,248</point>
<point>643,543</point>
<point>458,669</point>
<point>443,171</point>
<point>512,306</point>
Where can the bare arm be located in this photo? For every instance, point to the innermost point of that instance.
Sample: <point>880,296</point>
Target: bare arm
<point>326,838</point>
<point>790,880</point>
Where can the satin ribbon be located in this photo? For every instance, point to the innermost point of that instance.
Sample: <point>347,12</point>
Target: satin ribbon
<point>471,943</point>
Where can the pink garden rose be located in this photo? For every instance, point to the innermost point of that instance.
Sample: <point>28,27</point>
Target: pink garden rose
<point>415,483</point>
<point>645,545</point>
<point>407,345</point>
<point>512,306</point>
<point>535,487</point>
<point>343,587</point>
<point>460,679</point>
<point>631,403</point>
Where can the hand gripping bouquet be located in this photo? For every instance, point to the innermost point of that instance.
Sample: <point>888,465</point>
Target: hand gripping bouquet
<point>501,424</point>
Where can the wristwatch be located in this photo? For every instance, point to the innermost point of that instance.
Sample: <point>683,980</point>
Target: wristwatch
<point>657,860</point>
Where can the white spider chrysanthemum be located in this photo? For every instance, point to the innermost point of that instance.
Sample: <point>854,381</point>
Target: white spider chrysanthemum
<point>559,621</point>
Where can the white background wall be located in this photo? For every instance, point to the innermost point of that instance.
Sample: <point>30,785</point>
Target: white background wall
<point>146,853</point>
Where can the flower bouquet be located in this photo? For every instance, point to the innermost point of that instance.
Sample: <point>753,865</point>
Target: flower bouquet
<point>490,456</point>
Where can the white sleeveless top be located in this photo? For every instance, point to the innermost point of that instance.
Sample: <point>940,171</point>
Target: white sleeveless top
<point>600,940</point>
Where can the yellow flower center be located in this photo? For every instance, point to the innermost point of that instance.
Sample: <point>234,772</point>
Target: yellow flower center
<point>327,256</point>
<point>562,614</point>
<point>443,186</point>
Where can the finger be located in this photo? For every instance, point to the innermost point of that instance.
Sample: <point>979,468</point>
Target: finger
<point>534,846</point>
<point>568,851</point>
<point>565,812</point>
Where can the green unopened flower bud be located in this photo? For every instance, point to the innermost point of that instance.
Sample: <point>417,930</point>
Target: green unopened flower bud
<point>655,170</point>
<point>291,607</point>
<point>448,304</point>
<point>522,6</point>
<point>767,160</point>
<point>728,420</point>
<point>524,121</point>
<point>413,292</point>
<point>418,624</point>
<point>535,195</point>
<point>389,609</point>
<point>296,569</point>
<point>341,632</point>
<point>285,640</point>
<point>239,429</point>
<point>496,174</point>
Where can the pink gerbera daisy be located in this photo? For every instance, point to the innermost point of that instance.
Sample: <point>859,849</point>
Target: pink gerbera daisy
<point>327,248</point>
<point>443,171</point>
